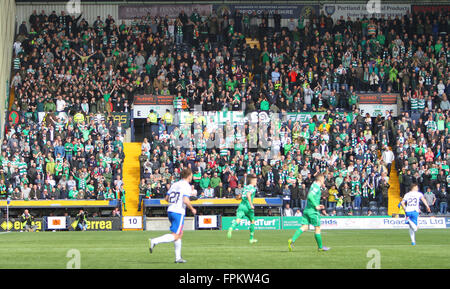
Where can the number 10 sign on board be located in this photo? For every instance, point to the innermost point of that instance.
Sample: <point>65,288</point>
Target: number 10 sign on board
<point>132,222</point>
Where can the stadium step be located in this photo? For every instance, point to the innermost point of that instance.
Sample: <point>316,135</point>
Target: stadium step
<point>11,98</point>
<point>131,178</point>
<point>394,191</point>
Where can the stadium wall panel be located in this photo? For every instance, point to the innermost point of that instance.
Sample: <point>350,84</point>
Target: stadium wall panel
<point>338,223</point>
<point>7,29</point>
<point>162,224</point>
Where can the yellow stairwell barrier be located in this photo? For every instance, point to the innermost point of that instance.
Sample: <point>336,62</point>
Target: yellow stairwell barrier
<point>131,178</point>
<point>394,191</point>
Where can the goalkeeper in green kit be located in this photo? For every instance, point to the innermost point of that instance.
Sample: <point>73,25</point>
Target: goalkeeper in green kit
<point>311,214</point>
<point>246,209</point>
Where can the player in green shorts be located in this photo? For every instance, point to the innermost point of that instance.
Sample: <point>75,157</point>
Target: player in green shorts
<point>246,209</point>
<point>311,214</point>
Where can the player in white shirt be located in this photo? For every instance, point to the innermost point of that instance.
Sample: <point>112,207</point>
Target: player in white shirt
<point>410,204</point>
<point>178,199</point>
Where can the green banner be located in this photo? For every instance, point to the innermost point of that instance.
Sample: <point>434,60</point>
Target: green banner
<point>217,117</point>
<point>291,223</point>
<point>304,117</point>
<point>261,223</point>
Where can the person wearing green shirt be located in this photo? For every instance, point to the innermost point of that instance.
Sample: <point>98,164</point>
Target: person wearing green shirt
<point>108,175</point>
<point>264,106</point>
<point>231,83</point>
<point>86,132</point>
<point>109,195</point>
<point>305,134</point>
<point>381,38</point>
<point>122,197</point>
<point>73,194</point>
<point>353,99</point>
<point>265,57</point>
<point>82,181</point>
<point>215,181</point>
<point>311,214</point>
<point>312,125</point>
<point>246,209</point>
<point>196,178</point>
<point>205,181</point>
<point>434,171</point>
<point>49,106</point>
<point>90,189</point>
<point>68,147</point>
<point>300,23</point>
<point>287,148</point>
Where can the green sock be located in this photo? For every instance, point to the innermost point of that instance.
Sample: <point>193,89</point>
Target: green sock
<point>252,231</point>
<point>297,234</point>
<point>318,240</point>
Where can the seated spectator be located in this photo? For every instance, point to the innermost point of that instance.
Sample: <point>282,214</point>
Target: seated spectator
<point>287,211</point>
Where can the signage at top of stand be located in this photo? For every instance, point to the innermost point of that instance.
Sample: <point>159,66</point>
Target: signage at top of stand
<point>378,98</point>
<point>131,11</point>
<point>430,8</point>
<point>149,99</point>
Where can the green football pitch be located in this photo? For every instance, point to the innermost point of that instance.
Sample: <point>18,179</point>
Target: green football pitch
<point>212,250</point>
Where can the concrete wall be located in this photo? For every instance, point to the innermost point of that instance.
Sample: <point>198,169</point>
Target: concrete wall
<point>163,224</point>
<point>7,29</point>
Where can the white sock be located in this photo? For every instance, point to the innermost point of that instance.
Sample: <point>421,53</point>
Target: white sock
<point>177,245</point>
<point>412,234</point>
<point>412,225</point>
<point>167,238</point>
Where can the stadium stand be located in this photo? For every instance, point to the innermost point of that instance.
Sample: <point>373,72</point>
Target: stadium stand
<point>71,76</point>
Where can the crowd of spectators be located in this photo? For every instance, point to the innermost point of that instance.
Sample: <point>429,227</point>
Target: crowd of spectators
<point>57,145</point>
<point>60,158</point>
<point>318,73</point>
<point>62,63</point>
<point>314,63</point>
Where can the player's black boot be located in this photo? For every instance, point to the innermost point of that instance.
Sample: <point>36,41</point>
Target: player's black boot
<point>150,245</point>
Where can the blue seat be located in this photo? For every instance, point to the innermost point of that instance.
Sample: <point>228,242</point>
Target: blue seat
<point>382,211</point>
<point>375,211</point>
<point>364,211</point>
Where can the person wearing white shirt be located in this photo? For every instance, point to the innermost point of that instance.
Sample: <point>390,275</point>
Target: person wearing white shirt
<point>145,147</point>
<point>288,212</point>
<point>209,192</point>
<point>17,47</point>
<point>194,192</point>
<point>60,104</point>
<point>291,25</point>
<point>410,204</point>
<point>85,106</point>
<point>388,158</point>
<point>178,199</point>
<point>445,104</point>
<point>441,88</point>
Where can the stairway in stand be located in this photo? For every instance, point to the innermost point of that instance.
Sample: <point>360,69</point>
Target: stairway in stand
<point>394,191</point>
<point>131,178</point>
